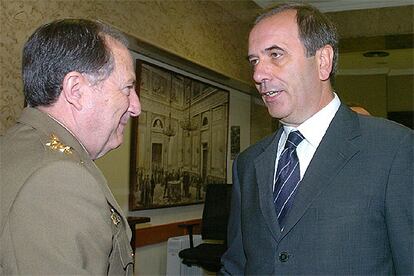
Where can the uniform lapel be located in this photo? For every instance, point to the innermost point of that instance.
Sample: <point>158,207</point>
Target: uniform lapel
<point>96,172</point>
<point>264,166</point>
<point>48,126</point>
<point>334,151</point>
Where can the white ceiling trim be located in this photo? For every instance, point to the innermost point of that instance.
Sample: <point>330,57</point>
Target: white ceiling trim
<point>401,72</point>
<point>371,71</point>
<point>376,71</point>
<point>343,5</point>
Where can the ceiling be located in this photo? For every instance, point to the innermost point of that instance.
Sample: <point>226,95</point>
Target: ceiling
<point>342,5</point>
<point>351,61</point>
<point>399,62</point>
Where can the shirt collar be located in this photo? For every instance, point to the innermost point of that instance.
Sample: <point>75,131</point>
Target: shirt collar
<point>314,128</point>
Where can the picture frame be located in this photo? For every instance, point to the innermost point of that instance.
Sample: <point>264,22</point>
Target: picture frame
<point>235,141</point>
<point>179,141</point>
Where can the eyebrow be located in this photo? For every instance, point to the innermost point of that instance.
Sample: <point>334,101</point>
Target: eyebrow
<point>269,49</point>
<point>273,47</point>
<point>131,81</point>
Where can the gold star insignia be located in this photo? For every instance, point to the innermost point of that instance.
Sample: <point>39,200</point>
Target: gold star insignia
<point>55,144</point>
<point>115,217</point>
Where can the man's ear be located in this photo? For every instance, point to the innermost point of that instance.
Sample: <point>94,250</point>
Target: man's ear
<point>72,88</point>
<point>325,59</point>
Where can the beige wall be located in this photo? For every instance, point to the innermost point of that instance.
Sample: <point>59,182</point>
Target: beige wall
<point>199,31</point>
<point>400,93</point>
<point>379,94</point>
<point>368,90</point>
<point>374,22</point>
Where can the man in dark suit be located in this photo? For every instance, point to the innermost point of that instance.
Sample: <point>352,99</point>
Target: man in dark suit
<point>331,192</point>
<point>58,216</point>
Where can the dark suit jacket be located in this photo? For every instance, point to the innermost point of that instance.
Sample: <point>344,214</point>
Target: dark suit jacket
<point>57,216</point>
<point>352,214</point>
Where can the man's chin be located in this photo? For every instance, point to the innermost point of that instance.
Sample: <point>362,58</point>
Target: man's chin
<point>120,138</point>
<point>118,141</point>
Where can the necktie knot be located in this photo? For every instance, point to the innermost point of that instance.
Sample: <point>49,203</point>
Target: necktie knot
<point>294,139</point>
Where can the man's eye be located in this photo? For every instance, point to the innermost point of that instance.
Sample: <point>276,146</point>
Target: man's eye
<point>275,55</point>
<point>127,90</point>
<point>253,62</point>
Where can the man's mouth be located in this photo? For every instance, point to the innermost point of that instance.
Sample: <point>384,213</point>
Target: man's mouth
<point>267,91</point>
<point>124,119</point>
<point>271,93</point>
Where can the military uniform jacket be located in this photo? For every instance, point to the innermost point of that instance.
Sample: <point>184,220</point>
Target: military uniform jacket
<point>58,216</point>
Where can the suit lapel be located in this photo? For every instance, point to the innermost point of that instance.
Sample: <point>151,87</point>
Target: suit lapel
<point>334,151</point>
<point>264,166</point>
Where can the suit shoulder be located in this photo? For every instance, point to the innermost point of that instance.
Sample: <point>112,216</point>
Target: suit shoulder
<point>257,148</point>
<point>383,127</point>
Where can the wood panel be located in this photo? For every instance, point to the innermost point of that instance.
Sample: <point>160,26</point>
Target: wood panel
<point>161,233</point>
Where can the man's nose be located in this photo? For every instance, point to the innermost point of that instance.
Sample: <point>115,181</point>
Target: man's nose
<point>134,104</point>
<point>261,73</point>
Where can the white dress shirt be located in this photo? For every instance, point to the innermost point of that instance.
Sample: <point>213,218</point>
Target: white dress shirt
<point>313,129</point>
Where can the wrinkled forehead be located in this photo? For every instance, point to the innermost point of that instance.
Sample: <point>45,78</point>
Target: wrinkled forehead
<point>117,49</point>
<point>123,62</point>
<point>279,30</point>
<point>281,23</point>
<point>122,56</point>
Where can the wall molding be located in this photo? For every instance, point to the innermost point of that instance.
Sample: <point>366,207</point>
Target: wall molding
<point>376,71</point>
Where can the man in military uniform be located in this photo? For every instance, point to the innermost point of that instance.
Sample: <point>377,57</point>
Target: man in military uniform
<point>58,215</point>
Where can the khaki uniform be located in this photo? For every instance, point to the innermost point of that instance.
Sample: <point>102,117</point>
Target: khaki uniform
<point>58,216</point>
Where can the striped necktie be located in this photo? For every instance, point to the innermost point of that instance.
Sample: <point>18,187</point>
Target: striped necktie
<point>287,176</point>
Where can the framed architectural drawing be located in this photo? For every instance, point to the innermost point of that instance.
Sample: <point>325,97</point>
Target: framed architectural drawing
<point>179,142</point>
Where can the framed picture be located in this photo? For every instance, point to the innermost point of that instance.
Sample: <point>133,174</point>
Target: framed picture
<point>179,141</point>
<point>235,141</point>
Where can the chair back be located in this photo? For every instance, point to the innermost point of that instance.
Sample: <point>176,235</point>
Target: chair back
<point>216,212</point>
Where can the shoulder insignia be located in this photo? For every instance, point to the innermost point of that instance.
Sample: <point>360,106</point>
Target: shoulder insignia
<point>115,217</point>
<point>55,144</point>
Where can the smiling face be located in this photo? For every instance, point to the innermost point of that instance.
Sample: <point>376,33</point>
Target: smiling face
<point>292,86</point>
<point>109,104</point>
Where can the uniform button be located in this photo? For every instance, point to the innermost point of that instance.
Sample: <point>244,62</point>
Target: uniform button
<point>283,257</point>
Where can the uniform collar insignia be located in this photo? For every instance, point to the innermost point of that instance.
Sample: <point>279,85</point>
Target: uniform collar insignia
<point>55,144</point>
<point>115,217</point>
